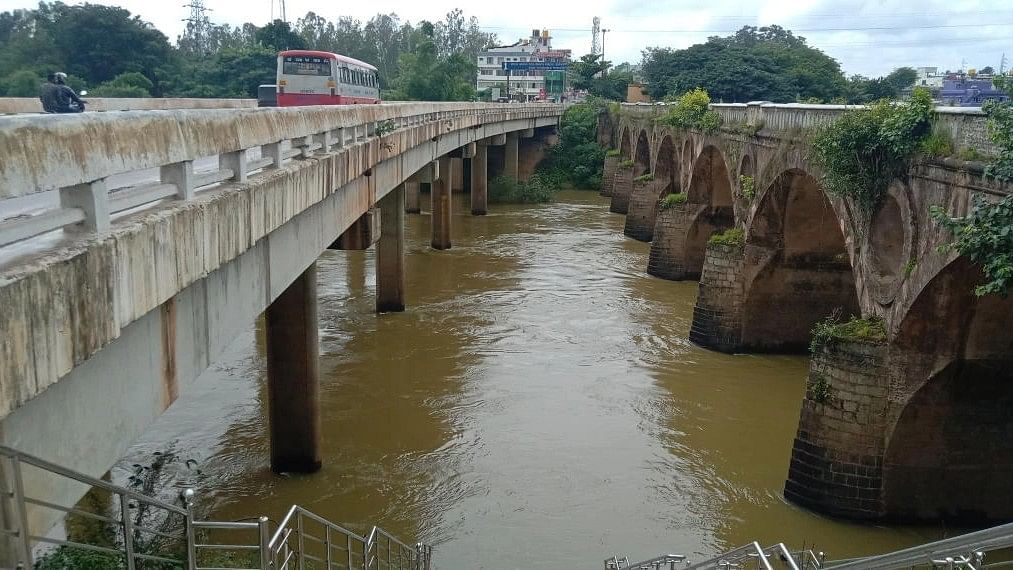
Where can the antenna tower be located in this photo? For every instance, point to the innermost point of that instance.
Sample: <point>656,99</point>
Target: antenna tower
<point>596,36</point>
<point>198,26</point>
<point>1002,64</point>
<point>281,11</point>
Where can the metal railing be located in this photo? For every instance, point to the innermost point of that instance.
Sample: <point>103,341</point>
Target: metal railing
<point>964,551</point>
<point>148,530</point>
<point>751,555</point>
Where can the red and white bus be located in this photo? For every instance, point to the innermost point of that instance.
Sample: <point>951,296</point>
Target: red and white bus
<point>324,78</point>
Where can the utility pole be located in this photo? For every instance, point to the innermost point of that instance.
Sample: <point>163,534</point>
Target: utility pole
<point>198,26</point>
<point>604,71</point>
<point>1002,64</point>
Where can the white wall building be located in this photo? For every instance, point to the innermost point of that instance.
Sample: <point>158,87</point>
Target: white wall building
<point>929,77</point>
<point>531,83</point>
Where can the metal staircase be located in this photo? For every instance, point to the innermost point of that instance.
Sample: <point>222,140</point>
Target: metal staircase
<point>141,532</point>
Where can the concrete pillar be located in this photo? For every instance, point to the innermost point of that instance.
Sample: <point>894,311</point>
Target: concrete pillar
<point>457,180</point>
<point>293,380</point>
<point>412,203</point>
<point>511,161</point>
<point>390,284</point>
<point>480,181</point>
<point>442,204</point>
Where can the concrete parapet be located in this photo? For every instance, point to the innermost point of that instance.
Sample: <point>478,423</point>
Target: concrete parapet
<point>717,315</point>
<point>11,105</point>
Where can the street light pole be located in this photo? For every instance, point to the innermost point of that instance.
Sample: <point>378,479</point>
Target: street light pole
<point>604,72</point>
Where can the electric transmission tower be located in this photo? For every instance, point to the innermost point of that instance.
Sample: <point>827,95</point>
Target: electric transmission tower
<point>596,36</point>
<point>281,10</point>
<point>198,27</point>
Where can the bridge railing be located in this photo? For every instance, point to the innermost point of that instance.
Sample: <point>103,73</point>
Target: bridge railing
<point>86,159</point>
<point>966,126</point>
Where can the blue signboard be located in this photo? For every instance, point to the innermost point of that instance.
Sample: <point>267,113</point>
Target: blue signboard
<point>539,65</point>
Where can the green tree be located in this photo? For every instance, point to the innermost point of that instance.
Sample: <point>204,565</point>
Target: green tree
<point>22,83</point>
<point>987,70</point>
<point>425,76</point>
<point>902,78</point>
<point>278,36</point>
<point>130,84</point>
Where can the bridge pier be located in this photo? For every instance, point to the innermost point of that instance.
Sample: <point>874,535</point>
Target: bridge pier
<point>680,239</point>
<point>511,153</point>
<point>642,209</point>
<point>608,175</point>
<point>412,200</point>
<point>717,315</point>
<point>293,381</point>
<point>442,204</point>
<point>457,170</point>
<point>621,189</point>
<point>390,277</point>
<point>480,181</point>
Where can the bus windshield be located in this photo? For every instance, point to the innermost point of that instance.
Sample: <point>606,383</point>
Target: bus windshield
<point>306,65</point>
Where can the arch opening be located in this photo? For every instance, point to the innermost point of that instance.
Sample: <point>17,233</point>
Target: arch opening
<point>643,159</point>
<point>666,167</point>
<point>625,145</point>
<point>950,453</point>
<point>709,200</point>
<point>886,239</point>
<point>802,271</point>
<point>709,182</point>
<point>746,170</point>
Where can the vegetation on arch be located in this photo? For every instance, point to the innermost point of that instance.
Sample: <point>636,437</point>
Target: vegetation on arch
<point>732,237</point>
<point>865,149</point>
<point>691,110</point>
<point>985,237</point>
<point>644,178</point>
<point>673,200</point>
<point>834,329</point>
<point>1000,130</point>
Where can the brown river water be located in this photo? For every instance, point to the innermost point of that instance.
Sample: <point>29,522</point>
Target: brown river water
<point>537,406</point>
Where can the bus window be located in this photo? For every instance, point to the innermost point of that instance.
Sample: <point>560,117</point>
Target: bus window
<point>300,65</point>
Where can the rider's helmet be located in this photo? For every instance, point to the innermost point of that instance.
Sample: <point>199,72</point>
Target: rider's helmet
<point>61,77</point>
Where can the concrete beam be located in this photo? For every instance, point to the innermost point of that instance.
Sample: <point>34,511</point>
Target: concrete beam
<point>528,133</point>
<point>496,140</point>
<point>362,234</point>
<point>428,173</point>
<point>468,150</point>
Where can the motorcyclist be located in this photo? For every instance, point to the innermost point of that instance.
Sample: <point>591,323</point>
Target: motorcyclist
<point>58,97</point>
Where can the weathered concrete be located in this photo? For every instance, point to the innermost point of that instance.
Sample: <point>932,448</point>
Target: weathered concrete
<point>442,205</point>
<point>390,275</point>
<point>457,174</point>
<point>362,234</point>
<point>33,105</point>
<point>480,181</point>
<point>293,377</point>
<point>413,204</point>
<point>126,320</point>
<point>510,153</point>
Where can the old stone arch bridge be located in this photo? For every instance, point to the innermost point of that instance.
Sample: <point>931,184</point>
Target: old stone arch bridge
<point>914,428</point>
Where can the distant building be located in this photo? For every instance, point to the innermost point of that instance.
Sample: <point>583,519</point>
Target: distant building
<point>929,77</point>
<point>524,85</point>
<point>635,94</point>
<point>969,90</point>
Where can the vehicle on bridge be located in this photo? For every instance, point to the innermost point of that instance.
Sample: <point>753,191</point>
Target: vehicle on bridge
<point>323,78</point>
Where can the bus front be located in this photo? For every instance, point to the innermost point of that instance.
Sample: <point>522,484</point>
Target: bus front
<point>306,78</point>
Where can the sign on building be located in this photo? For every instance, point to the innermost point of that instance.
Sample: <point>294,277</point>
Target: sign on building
<point>535,65</point>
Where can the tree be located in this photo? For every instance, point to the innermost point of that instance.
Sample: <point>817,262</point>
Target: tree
<point>987,70</point>
<point>768,63</point>
<point>130,84</point>
<point>278,36</point>
<point>22,83</point>
<point>425,76</point>
<point>902,78</point>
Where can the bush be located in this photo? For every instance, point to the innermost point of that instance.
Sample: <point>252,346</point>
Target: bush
<point>644,178</point>
<point>937,144</point>
<point>692,111</point>
<point>864,150</point>
<point>733,237</point>
<point>612,152</point>
<point>577,159</point>
<point>831,330</point>
<point>131,84</point>
<point>971,154</point>
<point>1000,130</point>
<point>986,238</point>
<point>748,185</point>
<point>628,163</point>
<point>21,84</point>
<point>505,190</point>
<point>673,200</point>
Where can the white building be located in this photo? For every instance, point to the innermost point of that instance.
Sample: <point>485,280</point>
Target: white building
<point>529,83</point>
<point>929,77</point>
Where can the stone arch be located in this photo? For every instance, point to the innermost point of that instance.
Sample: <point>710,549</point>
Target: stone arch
<point>625,144</point>
<point>889,243</point>
<point>666,166</point>
<point>686,158</point>
<point>949,454</point>
<point>642,158</point>
<point>747,168</point>
<point>709,181</point>
<point>799,270</point>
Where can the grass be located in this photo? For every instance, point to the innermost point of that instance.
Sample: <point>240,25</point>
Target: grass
<point>673,200</point>
<point>626,164</point>
<point>832,330</point>
<point>644,178</point>
<point>732,237</point>
<point>612,152</point>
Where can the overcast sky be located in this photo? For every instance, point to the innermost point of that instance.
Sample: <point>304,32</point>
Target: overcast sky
<point>870,37</point>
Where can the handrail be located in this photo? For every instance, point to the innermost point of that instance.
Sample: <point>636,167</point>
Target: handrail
<point>966,545</point>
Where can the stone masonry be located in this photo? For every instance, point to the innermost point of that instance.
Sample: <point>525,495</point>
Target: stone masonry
<point>621,190</point>
<point>717,314</point>
<point>608,175</point>
<point>642,209</point>
<point>837,459</point>
<point>667,259</point>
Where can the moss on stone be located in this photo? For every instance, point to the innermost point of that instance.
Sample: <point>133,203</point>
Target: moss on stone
<point>832,330</point>
<point>673,200</point>
<point>733,237</point>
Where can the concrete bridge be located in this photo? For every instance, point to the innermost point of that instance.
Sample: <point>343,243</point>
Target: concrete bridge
<point>914,428</point>
<point>148,240</point>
